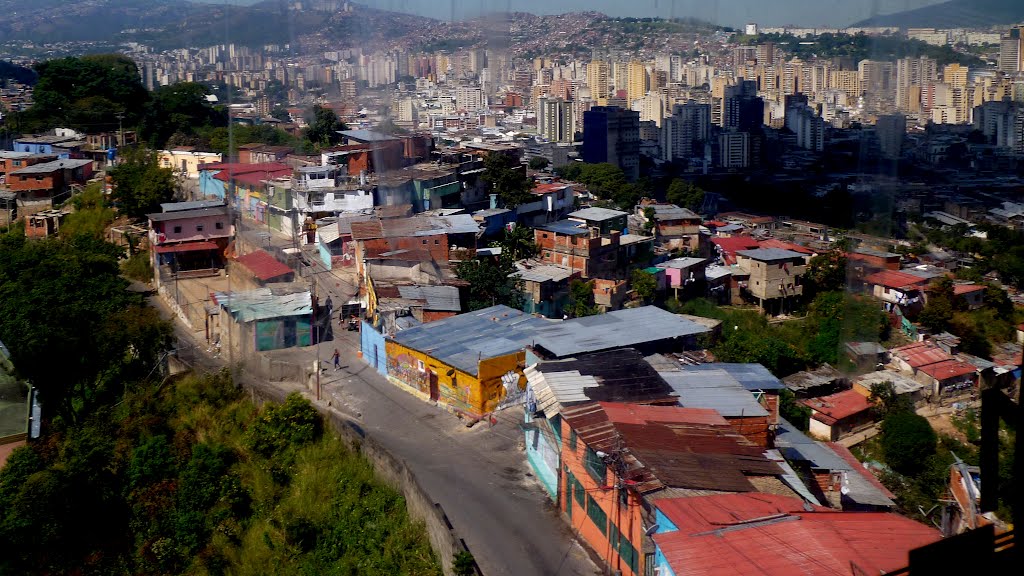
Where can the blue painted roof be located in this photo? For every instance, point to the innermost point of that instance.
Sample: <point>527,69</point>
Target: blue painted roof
<point>750,376</point>
<point>463,340</point>
<point>567,227</point>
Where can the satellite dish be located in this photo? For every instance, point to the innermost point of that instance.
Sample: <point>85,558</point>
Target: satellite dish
<point>653,529</point>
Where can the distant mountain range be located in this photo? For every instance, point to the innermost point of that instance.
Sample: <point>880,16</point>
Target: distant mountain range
<point>83,20</point>
<point>954,14</point>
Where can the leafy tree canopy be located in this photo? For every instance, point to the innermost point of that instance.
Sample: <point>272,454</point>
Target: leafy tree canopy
<point>323,127</point>
<point>87,93</point>
<point>581,299</point>
<point>140,184</point>
<point>644,285</point>
<point>178,109</point>
<point>507,179</point>
<point>907,440</point>
<point>72,328</point>
<point>491,282</point>
<point>685,194</point>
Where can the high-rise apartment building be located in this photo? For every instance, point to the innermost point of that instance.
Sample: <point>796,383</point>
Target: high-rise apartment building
<point>1011,51</point>
<point>684,133</point>
<point>555,119</point>
<point>734,150</point>
<point>911,73</point>
<point>597,80</point>
<point>890,131</point>
<point>637,81</point>
<point>469,98</point>
<point>742,109</point>
<point>612,134</point>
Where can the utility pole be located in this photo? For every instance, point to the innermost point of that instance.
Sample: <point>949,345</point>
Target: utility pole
<point>120,129</point>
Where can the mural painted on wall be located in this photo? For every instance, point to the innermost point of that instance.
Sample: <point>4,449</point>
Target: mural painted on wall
<point>456,395</point>
<point>515,390</point>
<point>410,370</point>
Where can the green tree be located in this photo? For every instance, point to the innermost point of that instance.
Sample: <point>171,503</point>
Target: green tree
<point>324,126</point>
<point>581,299</point>
<point>492,281</point>
<point>887,401</point>
<point>179,109</point>
<point>88,93</point>
<point>517,244</point>
<point>795,413</point>
<point>538,163</point>
<point>280,113</point>
<point>938,312</point>
<point>907,441</point>
<point>644,285</point>
<point>685,194</point>
<point>507,179</point>
<point>826,272</point>
<point>72,328</point>
<point>140,184</point>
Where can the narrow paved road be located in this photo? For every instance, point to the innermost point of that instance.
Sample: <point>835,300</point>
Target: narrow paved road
<point>478,475</point>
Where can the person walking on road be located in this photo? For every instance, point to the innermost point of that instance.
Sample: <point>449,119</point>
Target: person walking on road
<point>337,359</point>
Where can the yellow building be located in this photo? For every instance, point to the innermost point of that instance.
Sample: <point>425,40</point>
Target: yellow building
<point>955,75</point>
<point>471,363</point>
<point>597,79</point>
<point>637,81</point>
<point>185,162</point>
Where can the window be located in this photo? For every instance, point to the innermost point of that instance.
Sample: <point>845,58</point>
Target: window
<point>580,495</point>
<point>597,515</point>
<point>572,440</point>
<point>424,242</point>
<point>595,465</point>
<point>436,242</point>
<point>219,225</point>
<point>543,235</point>
<point>177,229</point>
<point>628,554</point>
<point>199,227</point>
<point>420,366</point>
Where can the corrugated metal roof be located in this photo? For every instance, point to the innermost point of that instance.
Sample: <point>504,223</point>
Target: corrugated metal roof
<point>190,205</point>
<point>553,390</point>
<point>618,329</point>
<point>622,376</point>
<point>185,214</point>
<point>948,369</point>
<point>366,135</point>
<point>47,167</point>
<point>463,340</point>
<point>670,446</point>
<point>264,303</point>
<point>539,272</point>
<point>834,407</point>
<point>921,354</point>
<point>682,263</point>
<point>414,226</point>
<point>714,540</point>
<point>901,384</point>
<point>714,389</point>
<point>770,254</point>
<point>566,227</point>
<point>263,265</point>
<point>895,279</point>
<point>594,214</point>
<point>328,233</point>
<point>750,376</point>
<point>439,298</point>
<point>672,212</point>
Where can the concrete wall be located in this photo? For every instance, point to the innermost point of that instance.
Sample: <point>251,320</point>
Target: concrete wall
<point>543,456</point>
<point>374,349</point>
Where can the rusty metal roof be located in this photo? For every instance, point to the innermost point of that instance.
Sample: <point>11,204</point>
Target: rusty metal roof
<point>668,446</point>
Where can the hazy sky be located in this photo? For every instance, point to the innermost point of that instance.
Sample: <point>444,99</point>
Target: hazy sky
<point>728,12</point>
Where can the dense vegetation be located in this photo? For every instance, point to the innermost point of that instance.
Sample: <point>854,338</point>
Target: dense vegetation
<point>104,93</point>
<point>784,348</point>
<point>13,72</point>
<point>917,459</point>
<point>191,478</point>
<point>492,280</point>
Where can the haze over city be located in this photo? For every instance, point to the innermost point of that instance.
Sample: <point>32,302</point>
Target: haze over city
<point>734,13</point>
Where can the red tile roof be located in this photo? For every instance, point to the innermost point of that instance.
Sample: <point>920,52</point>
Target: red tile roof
<point>733,244</point>
<point>257,172</point>
<point>548,188</point>
<point>920,354</point>
<point>830,409</point>
<point>619,413</point>
<point>960,289</point>
<point>786,541</point>
<point>776,243</point>
<point>896,279</point>
<point>948,369</point>
<point>263,265</point>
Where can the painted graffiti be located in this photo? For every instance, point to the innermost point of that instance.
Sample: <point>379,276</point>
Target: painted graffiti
<point>515,392</point>
<point>406,368</point>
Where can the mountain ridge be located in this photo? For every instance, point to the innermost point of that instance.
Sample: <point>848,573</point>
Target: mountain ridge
<point>953,14</point>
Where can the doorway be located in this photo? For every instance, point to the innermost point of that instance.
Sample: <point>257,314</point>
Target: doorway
<point>435,391</point>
